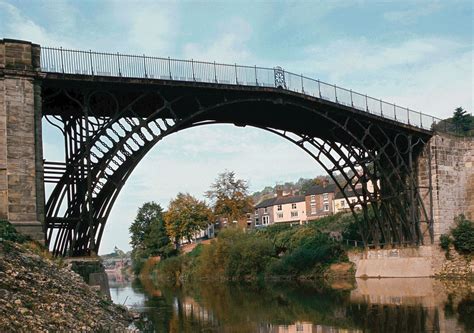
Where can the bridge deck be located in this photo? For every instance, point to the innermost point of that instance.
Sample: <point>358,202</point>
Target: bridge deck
<point>87,65</point>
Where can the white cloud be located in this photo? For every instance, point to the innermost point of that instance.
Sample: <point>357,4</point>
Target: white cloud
<point>19,26</point>
<point>228,47</point>
<point>429,74</point>
<point>150,27</point>
<point>410,15</point>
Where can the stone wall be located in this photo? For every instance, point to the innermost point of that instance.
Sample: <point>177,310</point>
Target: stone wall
<point>452,177</point>
<point>422,261</point>
<point>20,140</point>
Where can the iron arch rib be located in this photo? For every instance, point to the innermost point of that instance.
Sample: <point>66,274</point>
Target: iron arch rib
<point>105,141</point>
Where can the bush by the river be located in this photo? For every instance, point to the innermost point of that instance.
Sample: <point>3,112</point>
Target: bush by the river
<point>278,251</point>
<point>461,236</point>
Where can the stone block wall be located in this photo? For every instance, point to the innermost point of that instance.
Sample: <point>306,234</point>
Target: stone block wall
<point>20,137</point>
<point>452,177</point>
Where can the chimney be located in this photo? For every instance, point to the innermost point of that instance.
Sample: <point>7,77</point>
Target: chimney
<point>325,182</point>
<point>279,192</point>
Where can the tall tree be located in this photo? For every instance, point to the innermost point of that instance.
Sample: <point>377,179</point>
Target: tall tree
<point>462,121</point>
<point>229,196</point>
<point>186,215</point>
<point>148,213</point>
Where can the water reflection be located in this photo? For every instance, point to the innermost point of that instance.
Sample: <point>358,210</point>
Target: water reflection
<point>387,305</point>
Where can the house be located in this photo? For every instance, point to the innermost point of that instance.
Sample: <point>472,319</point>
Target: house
<point>341,204</point>
<point>319,200</point>
<point>264,213</point>
<point>289,209</point>
<point>280,209</point>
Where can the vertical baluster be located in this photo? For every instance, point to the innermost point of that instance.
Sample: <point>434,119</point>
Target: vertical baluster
<point>92,67</point>
<point>256,79</point>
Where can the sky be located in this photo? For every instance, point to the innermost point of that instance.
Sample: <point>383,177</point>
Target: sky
<point>418,54</point>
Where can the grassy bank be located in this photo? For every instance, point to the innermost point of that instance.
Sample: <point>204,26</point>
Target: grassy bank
<point>276,252</point>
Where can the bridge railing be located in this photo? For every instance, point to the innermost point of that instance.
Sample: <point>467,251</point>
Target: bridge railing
<point>59,60</point>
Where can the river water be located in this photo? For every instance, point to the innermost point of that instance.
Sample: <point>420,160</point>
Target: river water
<point>374,305</point>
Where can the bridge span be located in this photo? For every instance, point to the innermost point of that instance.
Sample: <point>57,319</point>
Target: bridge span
<point>112,109</point>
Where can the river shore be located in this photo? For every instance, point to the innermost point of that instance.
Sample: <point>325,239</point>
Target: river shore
<point>40,294</point>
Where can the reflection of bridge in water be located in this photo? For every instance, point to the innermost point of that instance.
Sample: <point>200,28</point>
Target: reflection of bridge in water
<point>112,109</point>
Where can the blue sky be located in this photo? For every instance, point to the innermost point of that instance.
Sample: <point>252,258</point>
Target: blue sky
<point>417,54</point>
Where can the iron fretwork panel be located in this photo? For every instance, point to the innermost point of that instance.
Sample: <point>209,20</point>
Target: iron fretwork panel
<point>107,134</point>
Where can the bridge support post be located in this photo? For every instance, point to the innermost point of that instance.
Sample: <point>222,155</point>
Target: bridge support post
<point>21,157</point>
<point>447,166</point>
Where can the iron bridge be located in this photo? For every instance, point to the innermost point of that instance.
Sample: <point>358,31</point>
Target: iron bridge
<point>113,108</point>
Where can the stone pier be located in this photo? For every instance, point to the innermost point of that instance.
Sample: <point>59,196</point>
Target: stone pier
<point>21,167</point>
<point>449,161</point>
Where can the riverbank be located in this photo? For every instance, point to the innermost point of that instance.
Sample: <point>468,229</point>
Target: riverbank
<point>280,252</point>
<point>314,252</point>
<point>39,294</point>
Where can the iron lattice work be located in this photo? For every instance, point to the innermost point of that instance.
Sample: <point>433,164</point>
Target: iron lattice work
<point>107,131</point>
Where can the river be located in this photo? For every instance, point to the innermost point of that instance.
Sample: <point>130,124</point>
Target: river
<point>374,305</point>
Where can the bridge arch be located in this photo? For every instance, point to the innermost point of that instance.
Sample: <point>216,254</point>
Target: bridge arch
<point>109,128</point>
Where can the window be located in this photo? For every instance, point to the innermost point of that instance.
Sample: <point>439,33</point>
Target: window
<point>279,207</point>
<point>265,210</point>
<point>353,200</point>
<point>294,214</point>
<point>293,206</point>
<point>299,328</point>
<point>257,222</point>
<point>326,207</point>
<point>265,219</point>
<point>325,196</point>
<point>343,203</point>
<point>248,215</point>
<point>256,211</point>
<point>313,210</point>
<point>313,198</point>
<point>280,215</point>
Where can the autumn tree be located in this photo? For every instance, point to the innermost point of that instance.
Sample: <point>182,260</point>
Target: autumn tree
<point>229,196</point>
<point>186,215</point>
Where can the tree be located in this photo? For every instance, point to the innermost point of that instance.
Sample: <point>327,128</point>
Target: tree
<point>461,120</point>
<point>186,215</point>
<point>230,196</point>
<point>148,235</point>
<point>146,215</point>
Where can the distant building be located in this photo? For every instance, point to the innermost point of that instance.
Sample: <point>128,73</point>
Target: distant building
<point>289,209</point>
<point>319,201</point>
<point>280,209</point>
<point>264,213</point>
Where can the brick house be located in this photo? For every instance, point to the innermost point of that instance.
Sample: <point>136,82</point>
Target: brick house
<point>319,201</point>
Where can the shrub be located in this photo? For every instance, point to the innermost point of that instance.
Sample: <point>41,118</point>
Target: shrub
<point>8,232</point>
<point>463,235</point>
<point>318,250</point>
<point>444,242</point>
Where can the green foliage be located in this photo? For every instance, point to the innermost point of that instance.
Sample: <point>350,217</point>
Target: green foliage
<point>186,215</point>
<point>8,232</point>
<point>148,213</point>
<point>235,255</point>
<point>444,242</point>
<point>278,250</point>
<point>462,121</point>
<point>318,250</point>
<point>463,235</point>
<point>148,236</point>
